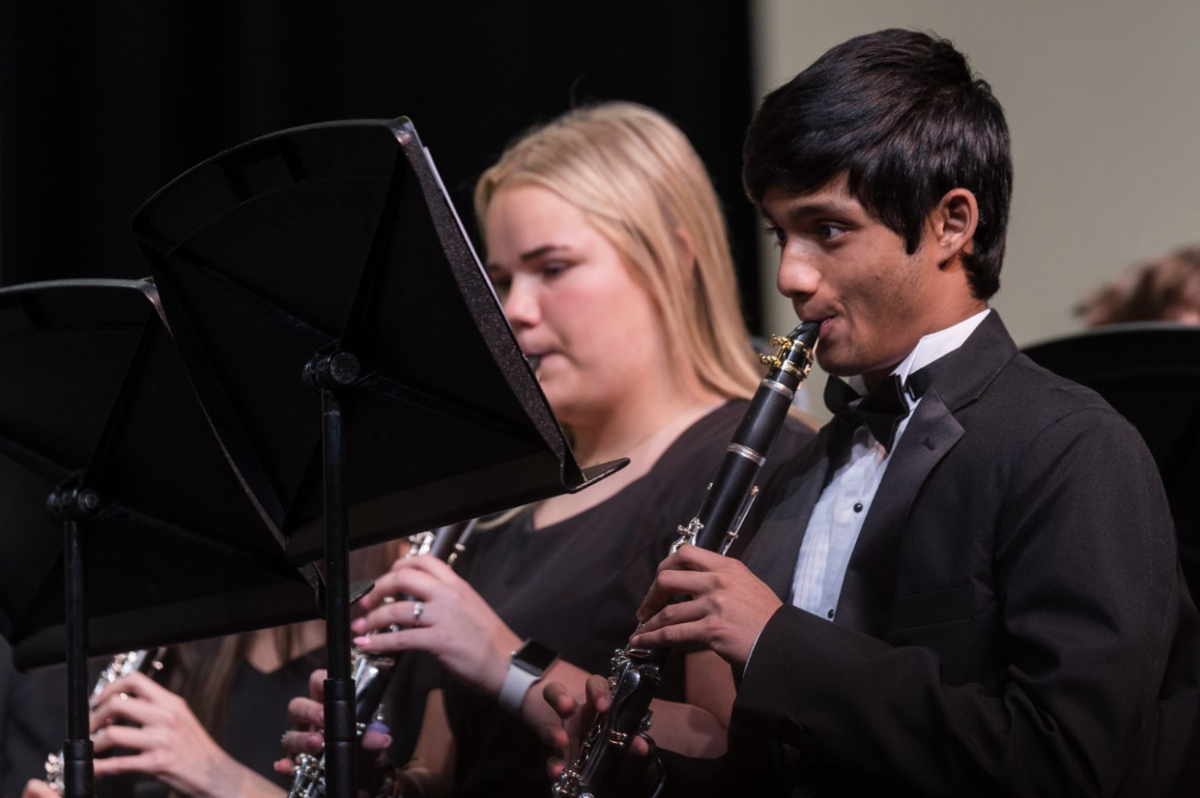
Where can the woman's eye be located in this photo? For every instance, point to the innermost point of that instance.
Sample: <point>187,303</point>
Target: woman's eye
<point>554,268</point>
<point>500,282</point>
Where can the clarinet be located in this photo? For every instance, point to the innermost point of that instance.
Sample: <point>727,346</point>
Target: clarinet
<point>371,672</point>
<point>636,672</point>
<point>123,664</point>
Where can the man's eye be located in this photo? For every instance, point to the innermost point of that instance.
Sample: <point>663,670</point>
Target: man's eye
<point>778,234</point>
<point>830,231</point>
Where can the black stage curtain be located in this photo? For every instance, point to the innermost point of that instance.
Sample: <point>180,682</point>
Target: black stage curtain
<point>102,103</point>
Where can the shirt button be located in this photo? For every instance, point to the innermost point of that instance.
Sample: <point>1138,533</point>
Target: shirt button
<point>858,507</point>
<point>829,615</point>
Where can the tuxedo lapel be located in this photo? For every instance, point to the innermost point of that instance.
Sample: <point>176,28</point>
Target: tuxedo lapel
<point>961,376</point>
<point>958,379</point>
<point>871,574</point>
<point>773,553</point>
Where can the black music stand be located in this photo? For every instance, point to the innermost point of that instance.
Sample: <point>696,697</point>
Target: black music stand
<point>332,252</point>
<point>1149,372</point>
<point>99,425</point>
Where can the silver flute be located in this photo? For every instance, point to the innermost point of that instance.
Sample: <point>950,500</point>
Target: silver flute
<point>148,661</point>
<point>372,672</point>
<point>636,672</point>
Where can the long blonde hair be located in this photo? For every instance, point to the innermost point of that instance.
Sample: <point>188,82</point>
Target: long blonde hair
<point>638,180</point>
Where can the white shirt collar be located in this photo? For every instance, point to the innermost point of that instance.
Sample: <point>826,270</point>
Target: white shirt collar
<point>930,348</point>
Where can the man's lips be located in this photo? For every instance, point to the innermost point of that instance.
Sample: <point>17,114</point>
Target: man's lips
<point>824,321</point>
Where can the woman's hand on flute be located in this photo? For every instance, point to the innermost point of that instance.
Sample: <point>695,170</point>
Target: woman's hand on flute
<point>445,617</point>
<point>168,741</point>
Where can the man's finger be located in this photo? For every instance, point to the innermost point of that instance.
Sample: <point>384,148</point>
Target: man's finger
<point>599,693</point>
<point>554,737</point>
<point>306,712</point>
<point>373,740</point>
<point>640,746</point>
<point>672,614</point>
<point>301,742</point>
<point>692,558</point>
<point>669,584</point>
<point>560,699</point>
<point>693,632</point>
<point>316,684</point>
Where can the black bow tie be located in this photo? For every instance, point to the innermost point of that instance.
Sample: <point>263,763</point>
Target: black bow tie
<point>881,410</point>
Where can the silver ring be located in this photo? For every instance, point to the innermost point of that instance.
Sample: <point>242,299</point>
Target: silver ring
<point>418,608</point>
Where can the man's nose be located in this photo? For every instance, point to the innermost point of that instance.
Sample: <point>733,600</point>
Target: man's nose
<point>798,276</point>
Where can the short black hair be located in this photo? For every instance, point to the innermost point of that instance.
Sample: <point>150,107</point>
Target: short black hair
<point>902,115</point>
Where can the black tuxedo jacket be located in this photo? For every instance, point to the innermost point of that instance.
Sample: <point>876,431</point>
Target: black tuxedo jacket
<point>1012,620</point>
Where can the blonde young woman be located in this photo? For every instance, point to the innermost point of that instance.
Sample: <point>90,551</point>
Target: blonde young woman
<point>606,244</point>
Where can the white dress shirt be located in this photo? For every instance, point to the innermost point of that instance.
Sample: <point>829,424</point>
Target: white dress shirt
<point>838,515</point>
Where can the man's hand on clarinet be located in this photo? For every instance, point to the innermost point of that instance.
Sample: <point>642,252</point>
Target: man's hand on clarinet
<point>576,716</point>
<point>307,716</point>
<point>727,609</point>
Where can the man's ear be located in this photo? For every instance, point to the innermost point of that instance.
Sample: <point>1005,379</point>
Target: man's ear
<point>954,221</point>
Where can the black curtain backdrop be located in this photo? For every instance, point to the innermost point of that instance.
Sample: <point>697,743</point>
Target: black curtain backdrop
<point>101,104</point>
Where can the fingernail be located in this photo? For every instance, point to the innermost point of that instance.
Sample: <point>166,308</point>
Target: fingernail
<point>362,641</point>
<point>358,625</point>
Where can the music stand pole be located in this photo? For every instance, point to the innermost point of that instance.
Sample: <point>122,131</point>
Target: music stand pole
<point>330,373</point>
<point>70,506</point>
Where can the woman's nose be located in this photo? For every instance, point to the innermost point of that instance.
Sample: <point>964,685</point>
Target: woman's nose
<point>521,304</point>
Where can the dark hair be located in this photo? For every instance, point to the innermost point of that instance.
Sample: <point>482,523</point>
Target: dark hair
<point>903,117</point>
<point>1162,289</point>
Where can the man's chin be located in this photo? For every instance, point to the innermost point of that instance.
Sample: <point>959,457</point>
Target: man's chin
<point>835,366</point>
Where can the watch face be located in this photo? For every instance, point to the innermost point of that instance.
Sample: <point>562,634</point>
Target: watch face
<point>534,657</point>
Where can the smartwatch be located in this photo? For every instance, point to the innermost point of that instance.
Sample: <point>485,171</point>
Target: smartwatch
<point>528,664</point>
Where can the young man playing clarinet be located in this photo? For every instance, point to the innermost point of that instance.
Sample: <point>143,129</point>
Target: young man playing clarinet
<point>968,585</point>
